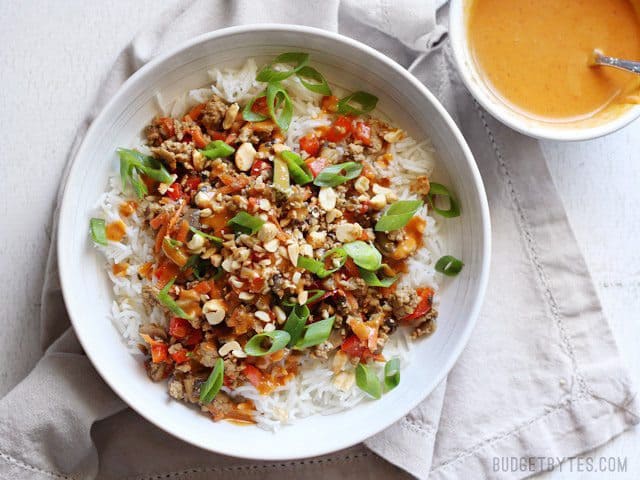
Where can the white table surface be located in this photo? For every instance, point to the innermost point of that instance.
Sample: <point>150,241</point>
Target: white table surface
<point>53,56</point>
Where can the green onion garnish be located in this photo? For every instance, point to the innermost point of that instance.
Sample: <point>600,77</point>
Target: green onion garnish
<point>211,387</point>
<point>98,229</point>
<point>438,189</point>
<point>318,267</point>
<point>166,300</point>
<point>249,115</point>
<point>398,215</point>
<point>197,266</point>
<point>367,381</point>
<point>357,103</point>
<point>364,255</point>
<point>314,295</point>
<point>214,239</point>
<point>318,83</point>
<point>295,323</point>
<point>246,223</point>
<point>134,163</point>
<point>217,149</point>
<point>298,170</point>
<point>335,175</point>
<point>449,265</point>
<point>278,340</point>
<point>279,105</point>
<point>372,280</point>
<point>296,60</point>
<point>315,333</point>
<point>172,242</point>
<point>391,374</point>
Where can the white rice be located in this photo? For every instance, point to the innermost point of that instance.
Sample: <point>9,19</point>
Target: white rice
<point>313,390</point>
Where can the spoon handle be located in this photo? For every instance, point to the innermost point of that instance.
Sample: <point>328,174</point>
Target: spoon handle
<point>627,65</point>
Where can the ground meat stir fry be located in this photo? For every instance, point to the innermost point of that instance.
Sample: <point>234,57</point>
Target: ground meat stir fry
<point>232,282</point>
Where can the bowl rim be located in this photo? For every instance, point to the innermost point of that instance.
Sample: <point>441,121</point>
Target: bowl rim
<point>471,77</point>
<point>66,207</point>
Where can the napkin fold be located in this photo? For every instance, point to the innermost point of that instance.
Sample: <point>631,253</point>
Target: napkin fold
<point>540,377</point>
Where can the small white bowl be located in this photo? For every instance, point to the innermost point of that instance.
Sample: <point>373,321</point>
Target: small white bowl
<point>350,64</point>
<point>473,79</point>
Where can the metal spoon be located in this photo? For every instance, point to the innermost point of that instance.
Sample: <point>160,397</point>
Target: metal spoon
<point>600,58</point>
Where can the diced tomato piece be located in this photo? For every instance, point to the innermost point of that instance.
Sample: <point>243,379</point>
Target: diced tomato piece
<point>310,144</point>
<point>424,305</point>
<point>258,167</point>
<point>362,132</point>
<point>192,338</point>
<point>192,183</point>
<point>330,104</point>
<point>175,191</point>
<point>260,106</point>
<point>179,327</point>
<point>253,374</point>
<point>180,356</point>
<point>159,352</point>
<point>167,126</point>
<point>316,165</point>
<point>340,129</point>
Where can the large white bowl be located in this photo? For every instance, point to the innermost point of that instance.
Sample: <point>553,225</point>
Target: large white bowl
<point>350,64</point>
<point>604,124</point>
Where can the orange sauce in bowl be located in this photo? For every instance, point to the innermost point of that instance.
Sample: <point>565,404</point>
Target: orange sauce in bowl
<point>534,54</point>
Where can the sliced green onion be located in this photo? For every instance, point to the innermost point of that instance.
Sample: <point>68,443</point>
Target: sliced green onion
<point>392,374</point>
<point>172,242</point>
<point>98,229</point>
<point>315,333</point>
<point>295,323</point>
<point>318,268</point>
<point>278,340</point>
<point>134,163</point>
<point>217,149</point>
<point>398,215</point>
<point>318,83</point>
<point>278,99</point>
<point>211,387</point>
<point>367,381</point>
<point>166,300</point>
<point>214,239</point>
<point>357,103</point>
<point>314,295</point>
<point>298,170</point>
<point>364,255</point>
<point>449,265</point>
<point>438,189</point>
<point>372,280</point>
<point>296,60</point>
<point>334,175</point>
<point>246,223</point>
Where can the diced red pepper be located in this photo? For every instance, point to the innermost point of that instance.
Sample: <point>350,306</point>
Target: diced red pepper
<point>198,138</point>
<point>256,285</point>
<point>330,104</point>
<point>193,338</point>
<point>258,167</point>
<point>192,183</point>
<point>175,191</point>
<point>167,126</point>
<point>180,356</point>
<point>159,352</point>
<point>310,144</point>
<point>179,327</point>
<point>340,129</point>
<point>260,106</point>
<point>253,374</point>
<point>362,132</point>
<point>196,111</point>
<point>424,305</point>
<point>218,135</point>
<point>165,271</point>
<point>351,269</point>
<point>316,165</point>
<point>354,347</point>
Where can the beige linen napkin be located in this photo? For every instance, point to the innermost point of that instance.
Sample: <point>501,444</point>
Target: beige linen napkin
<point>540,377</point>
